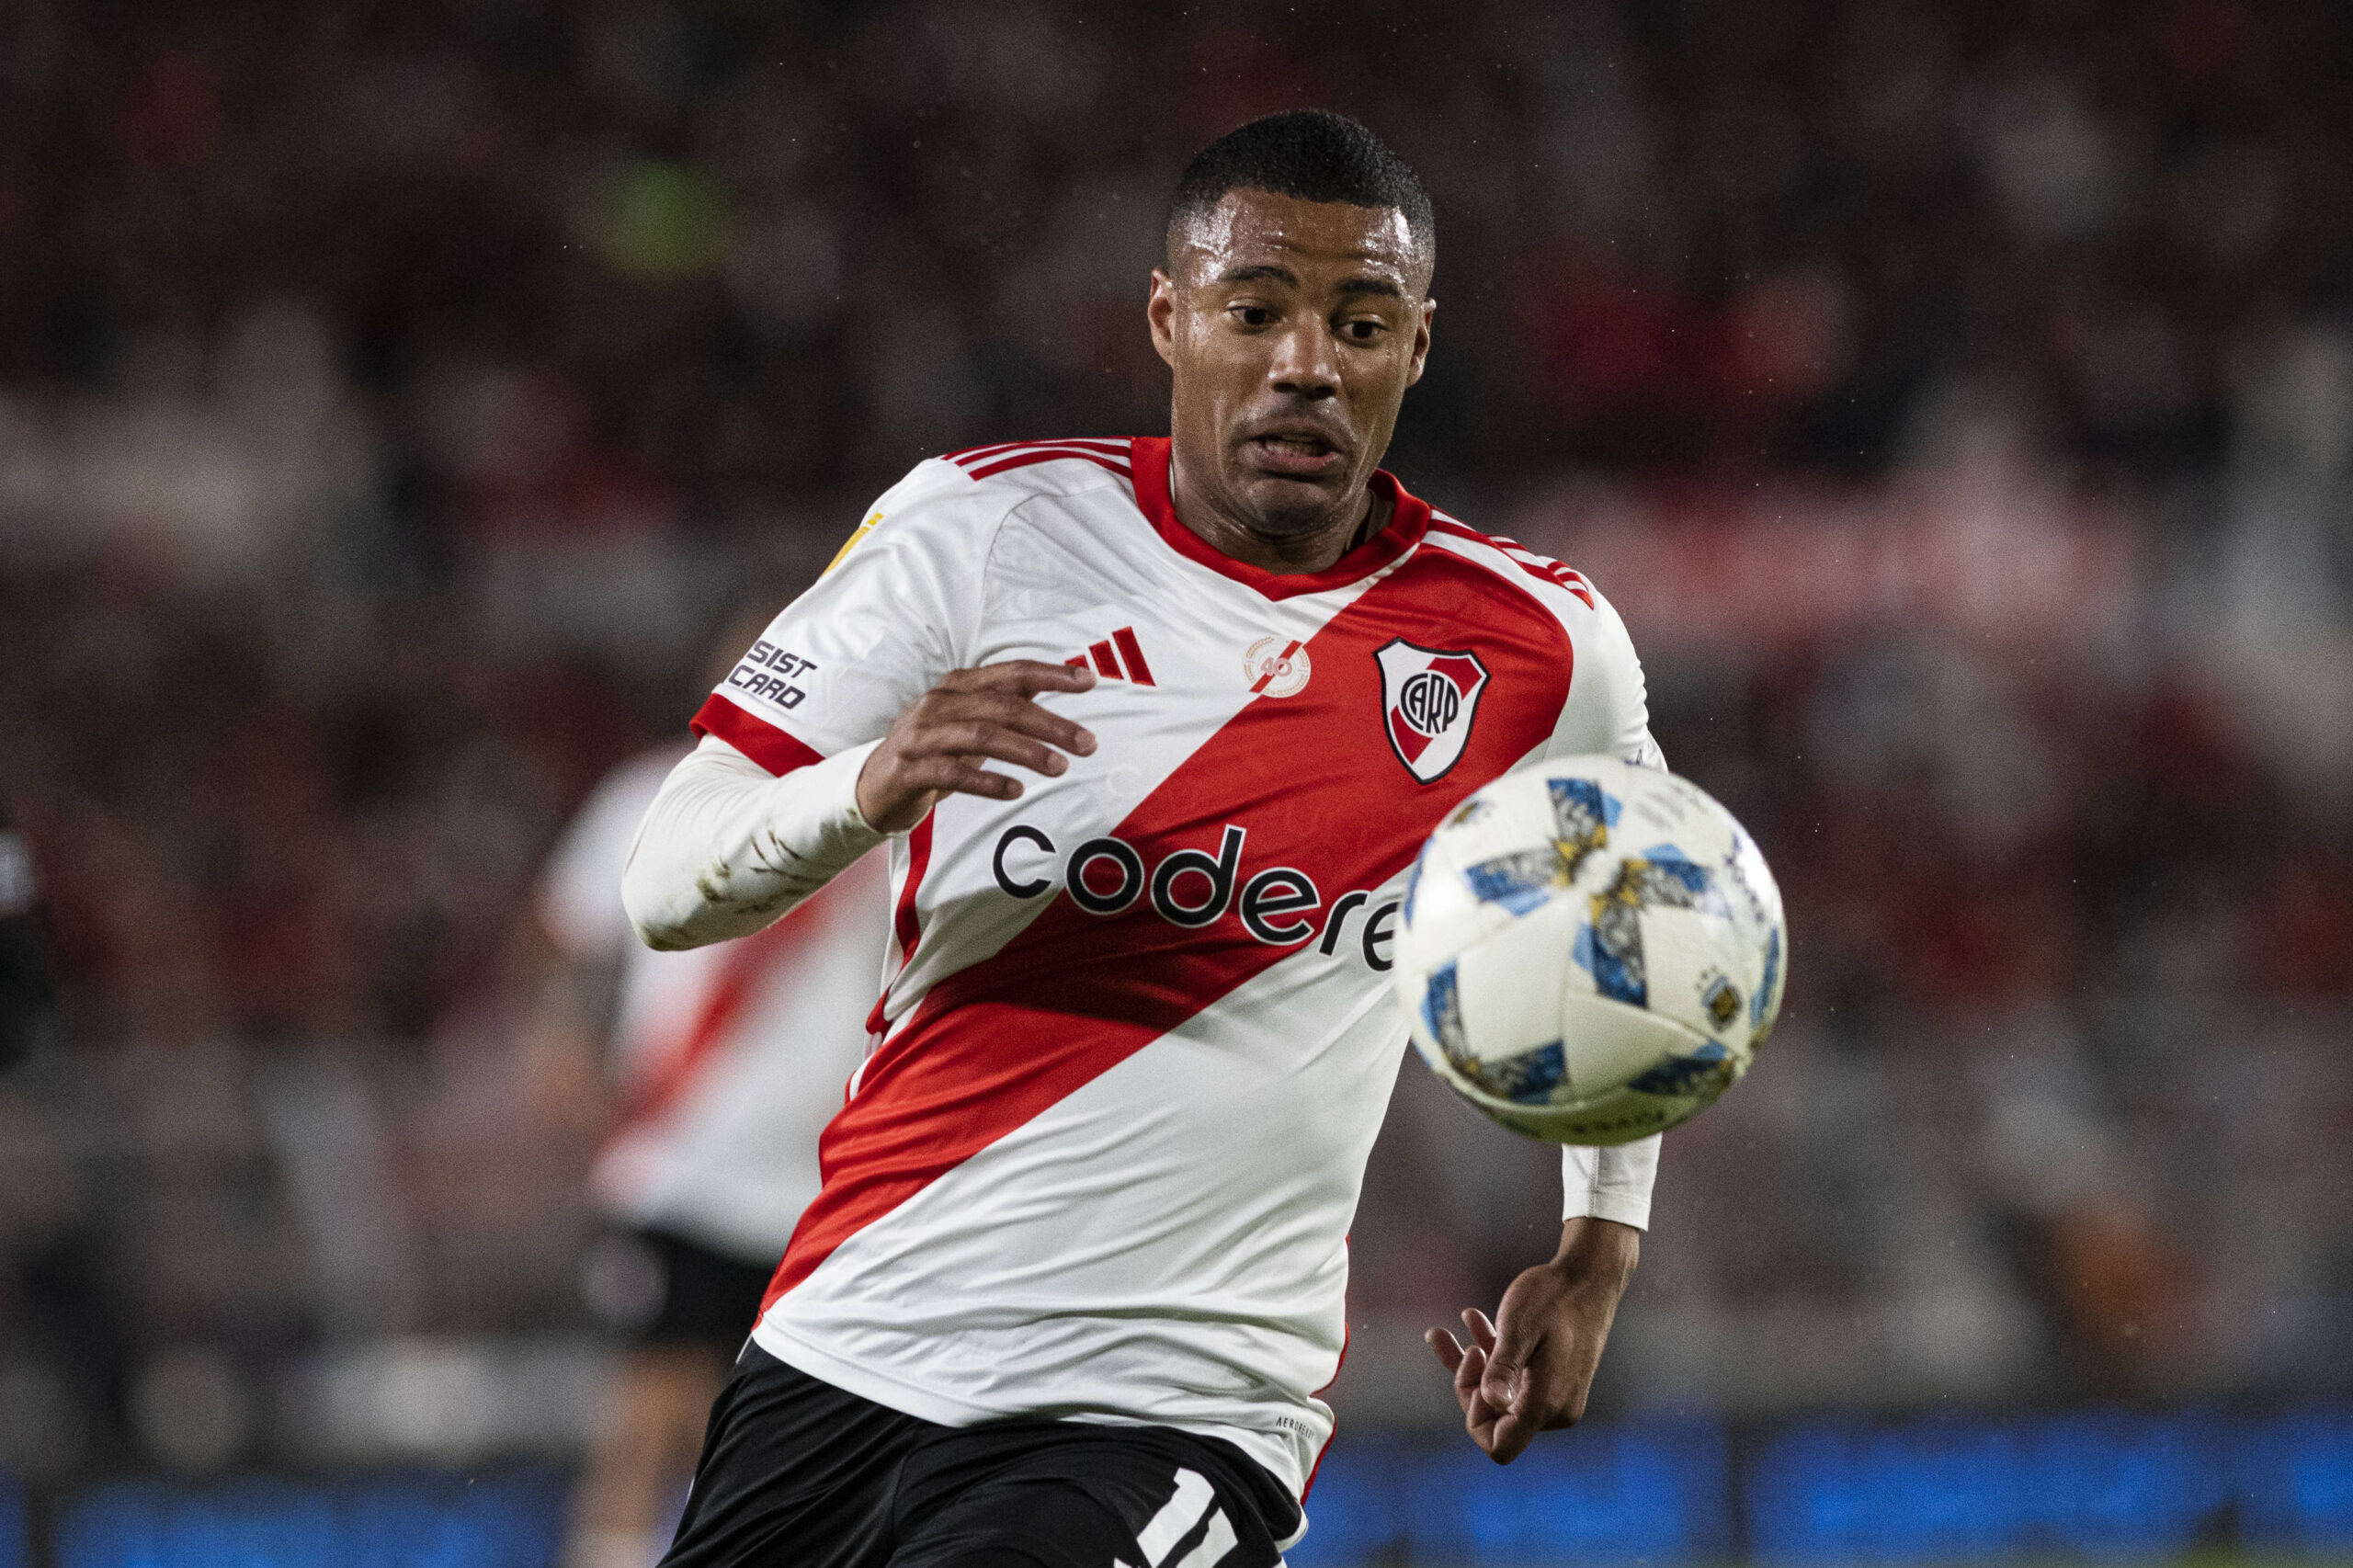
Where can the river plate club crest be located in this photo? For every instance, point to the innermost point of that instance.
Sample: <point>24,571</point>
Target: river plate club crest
<point>1428,697</point>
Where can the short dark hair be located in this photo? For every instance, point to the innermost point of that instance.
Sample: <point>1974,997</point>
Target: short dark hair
<point>1308,153</point>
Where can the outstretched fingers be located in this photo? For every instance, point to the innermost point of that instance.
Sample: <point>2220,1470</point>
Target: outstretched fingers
<point>1464,1365</point>
<point>1002,727</point>
<point>1007,693</point>
<point>1502,1422</point>
<point>987,714</point>
<point>1485,1423</point>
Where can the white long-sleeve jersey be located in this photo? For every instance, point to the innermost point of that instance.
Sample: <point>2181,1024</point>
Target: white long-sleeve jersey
<point>1137,1038</point>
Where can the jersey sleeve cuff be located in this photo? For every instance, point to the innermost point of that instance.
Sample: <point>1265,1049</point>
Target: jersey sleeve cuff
<point>773,748</point>
<point>823,807</point>
<point>1611,1184</point>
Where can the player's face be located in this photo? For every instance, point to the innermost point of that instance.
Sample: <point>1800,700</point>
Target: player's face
<point>1293,328</point>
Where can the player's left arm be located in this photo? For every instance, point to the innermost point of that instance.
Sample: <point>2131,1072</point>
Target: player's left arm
<point>1608,711</point>
<point>1530,1368</point>
<point>1608,708</point>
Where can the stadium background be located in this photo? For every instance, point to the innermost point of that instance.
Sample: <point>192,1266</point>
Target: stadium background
<point>1956,399</point>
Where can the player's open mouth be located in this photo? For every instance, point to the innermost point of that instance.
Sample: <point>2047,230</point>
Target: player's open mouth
<point>1295,455</point>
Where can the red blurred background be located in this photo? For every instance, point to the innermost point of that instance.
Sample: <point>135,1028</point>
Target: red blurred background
<point>1956,399</point>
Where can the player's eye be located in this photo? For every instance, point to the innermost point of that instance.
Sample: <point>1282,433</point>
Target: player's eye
<point>1362,331</point>
<point>1252,316</point>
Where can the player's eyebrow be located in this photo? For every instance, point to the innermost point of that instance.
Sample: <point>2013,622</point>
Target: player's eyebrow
<point>1269,271</point>
<point>1263,269</point>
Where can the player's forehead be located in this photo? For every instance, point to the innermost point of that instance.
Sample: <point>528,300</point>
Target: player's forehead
<point>1251,230</point>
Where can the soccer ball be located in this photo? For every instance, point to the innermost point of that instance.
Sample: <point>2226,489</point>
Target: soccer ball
<point>1590,950</point>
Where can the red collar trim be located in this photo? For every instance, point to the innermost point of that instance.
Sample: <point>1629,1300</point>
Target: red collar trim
<point>1409,520</point>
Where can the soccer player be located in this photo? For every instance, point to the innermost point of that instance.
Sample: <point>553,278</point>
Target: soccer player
<point>1077,1272</point>
<point>27,996</point>
<point>726,1062</point>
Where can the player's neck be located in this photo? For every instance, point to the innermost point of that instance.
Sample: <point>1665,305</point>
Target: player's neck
<point>1304,553</point>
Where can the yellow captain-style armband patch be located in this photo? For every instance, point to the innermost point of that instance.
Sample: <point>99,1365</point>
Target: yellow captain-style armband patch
<point>851,543</point>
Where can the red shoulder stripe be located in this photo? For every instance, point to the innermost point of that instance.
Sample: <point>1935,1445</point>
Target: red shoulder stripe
<point>1116,448</point>
<point>1023,460</point>
<point>1100,443</point>
<point>765,744</point>
<point>1542,568</point>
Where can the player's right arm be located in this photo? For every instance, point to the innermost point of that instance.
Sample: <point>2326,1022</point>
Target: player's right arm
<point>844,723</point>
<point>1531,1368</point>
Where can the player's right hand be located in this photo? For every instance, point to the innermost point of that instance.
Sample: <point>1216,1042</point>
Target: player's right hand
<point>937,746</point>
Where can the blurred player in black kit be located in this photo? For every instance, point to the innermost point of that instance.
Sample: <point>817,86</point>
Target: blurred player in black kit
<point>27,997</point>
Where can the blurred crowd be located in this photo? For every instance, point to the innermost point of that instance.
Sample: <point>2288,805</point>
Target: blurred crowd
<point>394,399</point>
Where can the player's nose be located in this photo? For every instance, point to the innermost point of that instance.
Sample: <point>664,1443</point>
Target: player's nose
<point>1305,363</point>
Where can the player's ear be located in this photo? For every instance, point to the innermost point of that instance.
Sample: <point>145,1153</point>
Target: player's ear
<point>1421,319</point>
<point>1161,312</point>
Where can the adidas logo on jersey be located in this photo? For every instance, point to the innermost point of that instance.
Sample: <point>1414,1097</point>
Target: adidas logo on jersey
<point>1118,657</point>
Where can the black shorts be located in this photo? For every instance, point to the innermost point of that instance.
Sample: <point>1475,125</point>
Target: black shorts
<point>797,1473</point>
<point>656,1286</point>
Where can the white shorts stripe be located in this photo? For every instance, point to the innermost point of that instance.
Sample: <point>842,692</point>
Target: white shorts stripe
<point>1176,1517</point>
<point>1214,1545</point>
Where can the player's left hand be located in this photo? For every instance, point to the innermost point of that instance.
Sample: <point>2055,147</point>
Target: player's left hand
<point>1530,1370</point>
